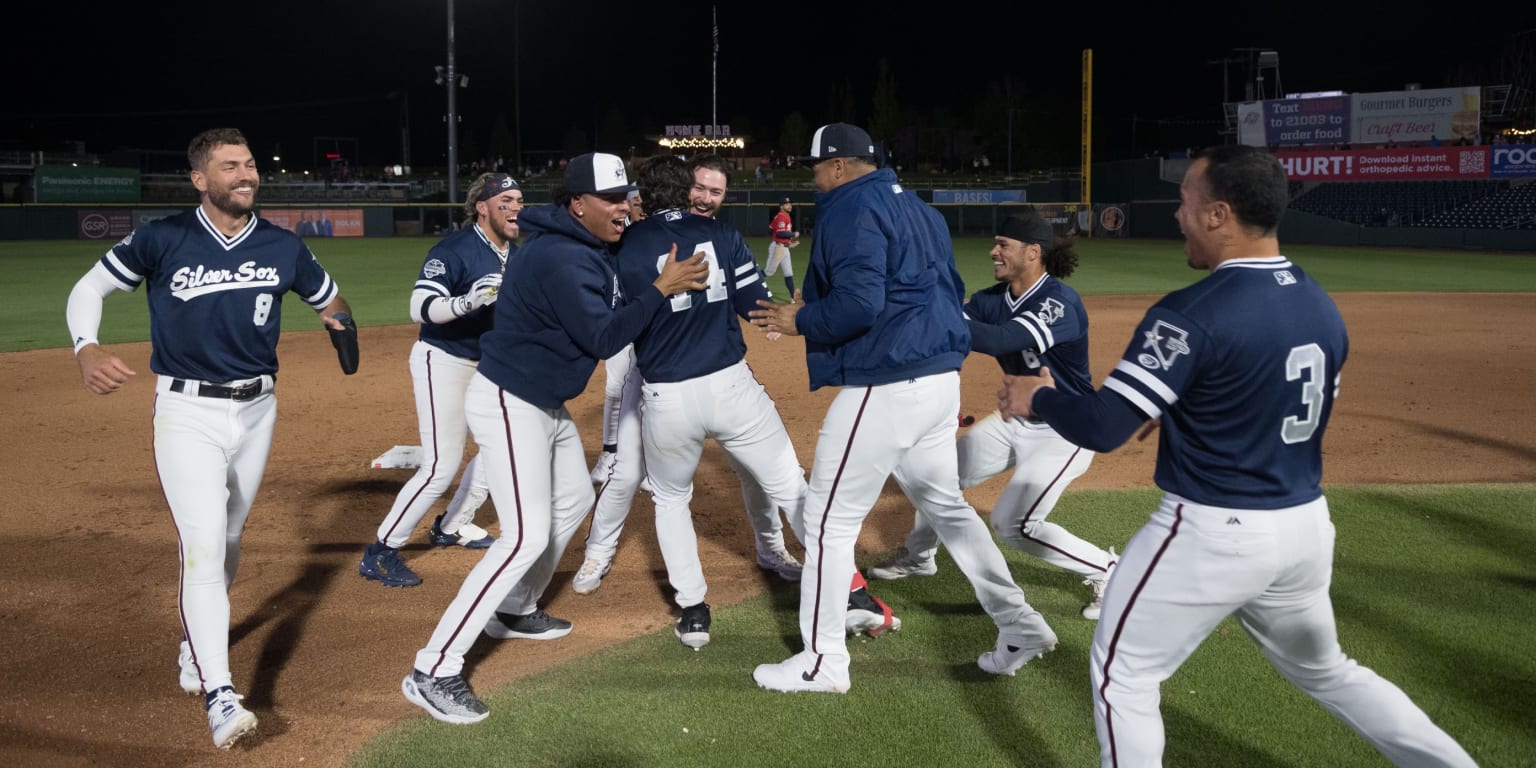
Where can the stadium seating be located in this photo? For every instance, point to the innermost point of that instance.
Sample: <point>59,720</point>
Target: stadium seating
<point>1417,203</point>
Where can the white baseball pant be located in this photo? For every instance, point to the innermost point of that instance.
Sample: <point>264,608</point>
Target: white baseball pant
<point>439,380</point>
<point>1189,568</point>
<point>905,428</point>
<point>210,454</point>
<point>616,496</point>
<point>731,407</point>
<point>1043,464</point>
<point>540,483</point>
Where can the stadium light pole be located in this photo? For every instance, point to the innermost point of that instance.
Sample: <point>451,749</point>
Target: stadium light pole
<point>453,114</point>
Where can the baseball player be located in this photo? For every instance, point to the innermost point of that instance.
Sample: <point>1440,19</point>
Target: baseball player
<point>783,237</point>
<point>695,383</point>
<point>615,370</point>
<point>867,614</point>
<point>711,177</point>
<point>561,312</point>
<point>452,298</point>
<point>1029,319</point>
<point>883,322</point>
<point>215,277</point>
<point>1241,370</point>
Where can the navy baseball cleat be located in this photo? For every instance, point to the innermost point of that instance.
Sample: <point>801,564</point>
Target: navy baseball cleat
<point>382,563</point>
<point>529,626</point>
<point>693,626</point>
<point>470,536</point>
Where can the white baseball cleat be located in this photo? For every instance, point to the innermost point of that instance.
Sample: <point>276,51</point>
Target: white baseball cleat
<point>693,626</point>
<point>1015,649</point>
<point>590,575</point>
<point>800,673</point>
<point>227,719</point>
<point>1095,606</point>
<point>902,566</point>
<point>603,468</point>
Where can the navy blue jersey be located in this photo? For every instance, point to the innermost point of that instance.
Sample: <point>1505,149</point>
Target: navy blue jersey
<point>451,269</point>
<point>215,301</point>
<point>1242,368</point>
<point>560,310</point>
<point>699,332</point>
<point>1047,326</point>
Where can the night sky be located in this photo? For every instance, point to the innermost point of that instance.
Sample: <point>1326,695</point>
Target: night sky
<point>301,78</point>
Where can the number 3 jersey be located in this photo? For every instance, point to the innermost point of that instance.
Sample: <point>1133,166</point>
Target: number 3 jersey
<point>1243,368</point>
<point>699,332</point>
<point>215,301</point>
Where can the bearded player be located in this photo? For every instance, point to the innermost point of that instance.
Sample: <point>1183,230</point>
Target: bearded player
<point>215,277</point>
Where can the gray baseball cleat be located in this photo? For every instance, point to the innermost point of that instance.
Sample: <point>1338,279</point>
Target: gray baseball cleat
<point>444,698</point>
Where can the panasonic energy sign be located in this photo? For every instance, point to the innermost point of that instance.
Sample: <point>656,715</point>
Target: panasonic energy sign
<point>89,184</point>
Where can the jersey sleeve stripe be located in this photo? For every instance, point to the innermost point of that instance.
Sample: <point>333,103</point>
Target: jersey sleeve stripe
<point>324,296</point>
<point>1041,343</point>
<point>1136,398</point>
<point>1153,385</point>
<point>125,278</point>
<point>433,287</point>
<point>745,268</point>
<point>746,281</point>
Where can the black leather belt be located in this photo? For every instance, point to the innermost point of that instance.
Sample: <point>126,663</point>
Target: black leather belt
<point>247,391</point>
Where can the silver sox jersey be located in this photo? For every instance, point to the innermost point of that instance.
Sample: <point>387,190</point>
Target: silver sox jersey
<point>214,304</point>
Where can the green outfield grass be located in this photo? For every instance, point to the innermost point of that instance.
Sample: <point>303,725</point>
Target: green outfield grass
<point>376,275</point>
<point>1433,588</point>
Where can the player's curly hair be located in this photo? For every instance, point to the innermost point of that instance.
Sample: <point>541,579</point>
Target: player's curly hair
<point>202,145</point>
<point>1060,257</point>
<point>664,182</point>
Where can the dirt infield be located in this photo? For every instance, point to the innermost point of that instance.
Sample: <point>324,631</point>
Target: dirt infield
<point>1438,388</point>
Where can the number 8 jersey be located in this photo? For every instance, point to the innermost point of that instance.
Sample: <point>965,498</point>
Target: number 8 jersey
<point>215,301</point>
<point>1266,345</point>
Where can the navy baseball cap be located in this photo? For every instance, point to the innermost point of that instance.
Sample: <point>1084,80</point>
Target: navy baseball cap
<point>496,184</point>
<point>1027,228</point>
<point>597,173</point>
<point>838,140</point>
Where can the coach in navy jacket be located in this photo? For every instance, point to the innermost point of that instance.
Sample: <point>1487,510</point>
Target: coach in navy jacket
<point>892,257</point>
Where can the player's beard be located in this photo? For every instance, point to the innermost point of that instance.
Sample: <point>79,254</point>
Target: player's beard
<point>225,201</point>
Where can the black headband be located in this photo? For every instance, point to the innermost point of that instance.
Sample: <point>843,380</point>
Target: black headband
<point>1027,228</point>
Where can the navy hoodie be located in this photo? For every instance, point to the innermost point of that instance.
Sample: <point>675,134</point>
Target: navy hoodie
<point>559,312</point>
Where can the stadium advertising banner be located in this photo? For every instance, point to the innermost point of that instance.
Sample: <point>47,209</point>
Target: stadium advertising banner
<point>109,224</point>
<point>1514,161</point>
<point>1287,122</point>
<point>1401,117</point>
<point>977,196</point>
<point>1447,114</point>
<point>90,184</point>
<point>1414,164</point>
<point>318,222</point>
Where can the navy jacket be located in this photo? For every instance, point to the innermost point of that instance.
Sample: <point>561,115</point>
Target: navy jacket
<point>560,311</point>
<point>882,295</point>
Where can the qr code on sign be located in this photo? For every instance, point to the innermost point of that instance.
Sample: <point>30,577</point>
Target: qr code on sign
<point>1474,162</point>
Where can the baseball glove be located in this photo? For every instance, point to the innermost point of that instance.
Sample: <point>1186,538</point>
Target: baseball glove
<point>345,342</point>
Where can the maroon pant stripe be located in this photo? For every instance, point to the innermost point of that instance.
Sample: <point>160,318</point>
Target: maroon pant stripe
<point>826,512</point>
<point>1035,507</point>
<point>1109,656</point>
<point>432,407</point>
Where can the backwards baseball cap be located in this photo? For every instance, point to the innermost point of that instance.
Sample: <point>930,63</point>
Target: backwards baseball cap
<point>786,200</point>
<point>597,173</point>
<point>838,140</point>
<point>1027,228</point>
<point>496,184</point>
